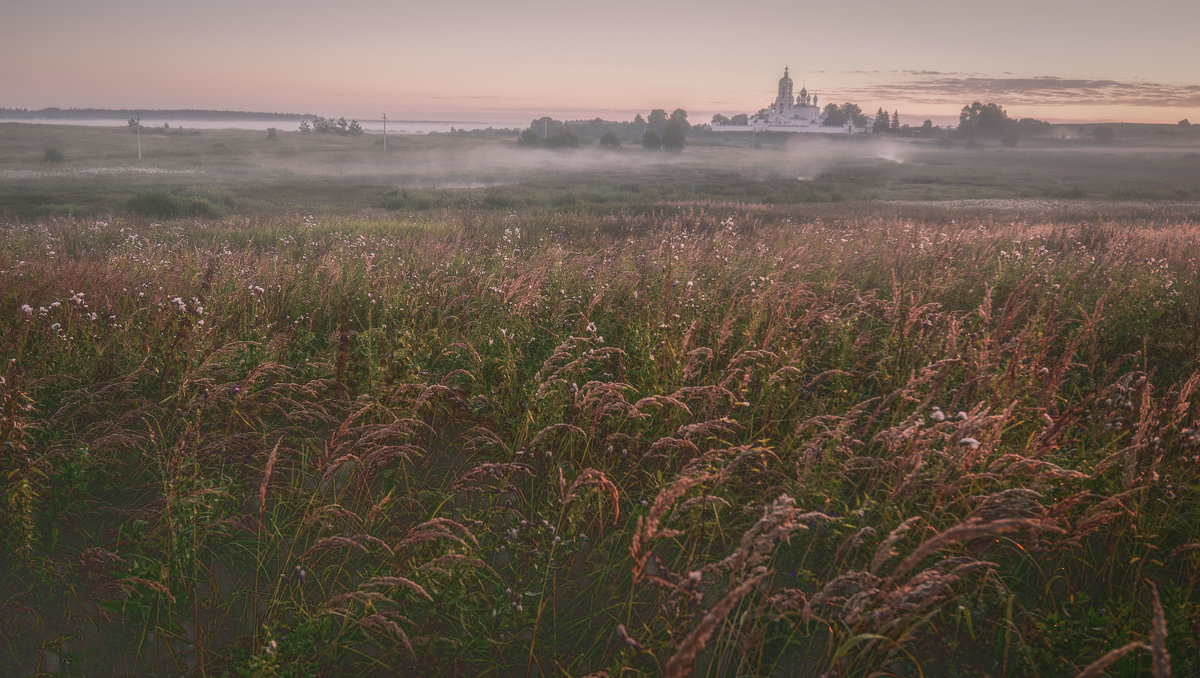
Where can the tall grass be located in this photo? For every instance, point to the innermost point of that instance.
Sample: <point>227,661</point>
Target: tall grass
<point>713,440</point>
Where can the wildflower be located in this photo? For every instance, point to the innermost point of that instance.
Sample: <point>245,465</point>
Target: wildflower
<point>938,415</point>
<point>27,309</point>
<point>969,442</point>
<point>591,327</point>
<point>56,327</point>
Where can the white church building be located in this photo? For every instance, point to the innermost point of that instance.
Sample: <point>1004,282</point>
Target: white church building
<point>797,114</point>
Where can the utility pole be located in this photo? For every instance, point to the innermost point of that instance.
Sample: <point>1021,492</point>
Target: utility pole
<point>138,120</point>
<point>385,131</point>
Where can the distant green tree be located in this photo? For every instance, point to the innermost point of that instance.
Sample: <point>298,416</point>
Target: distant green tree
<point>354,129</point>
<point>640,122</point>
<point>895,119</point>
<point>529,138</point>
<point>272,134</point>
<point>1104,134</point>
<point>563,137</point>
<point>1011,136</point>
<point>53,155</point>
<point>719,119</point>
<point>978,120</point>
<point>740,119</point>
<point>1185,123</point>
<point>834,116</point>
<point>610,139</point>
<point>927,126</point>
<point>855,114</point>
<point>673,138</point>
<point>680,116</point>
<point>305,128</point>
<point>658,121</point>
<point>1031,127</point>
<point>651,140</point>
<point>548,132</point>
<point>882,122</point>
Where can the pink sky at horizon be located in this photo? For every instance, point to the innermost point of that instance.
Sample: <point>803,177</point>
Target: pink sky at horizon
<point>1070,60</point>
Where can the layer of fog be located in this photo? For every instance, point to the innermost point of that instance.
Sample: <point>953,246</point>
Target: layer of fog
<point>482,164</point>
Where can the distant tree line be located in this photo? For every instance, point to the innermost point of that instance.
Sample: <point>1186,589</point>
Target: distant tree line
<point>657,131</point>
<point>739,119</point>
<point>125,113</point>
<point>546,132</point>
<point>978,121</point>
<point>329,126</point>
<point>840,116</point>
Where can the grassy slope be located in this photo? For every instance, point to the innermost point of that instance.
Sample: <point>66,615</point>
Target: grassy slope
<point>488,432</point>
<point>495,445</point>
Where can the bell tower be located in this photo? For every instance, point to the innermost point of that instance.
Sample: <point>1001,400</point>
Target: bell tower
<point>785,90</point>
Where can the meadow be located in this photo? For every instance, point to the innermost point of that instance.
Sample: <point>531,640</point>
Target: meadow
<point>445,412</point>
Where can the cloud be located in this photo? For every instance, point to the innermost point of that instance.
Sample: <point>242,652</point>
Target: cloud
<point>1047,90</point>
<point>476,96</point>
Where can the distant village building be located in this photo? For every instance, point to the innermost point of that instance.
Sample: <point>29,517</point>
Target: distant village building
<point>797,114</point>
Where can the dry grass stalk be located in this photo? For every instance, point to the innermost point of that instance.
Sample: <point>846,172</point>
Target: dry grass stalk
<point>702,500</point>
<point>442,563</point>
<point>710,428</point>
<point>386,622</point>
<point>627,640</point>
<point>553,428</point>
<point>360,596</point>
<point>322,514</point>
<point>853,542</point>
<point>595,478</point>
<point>262,488</point>
<point>967,531</point>
<point>778,521</point>
<point>332,543</point>
<point>670,443</point>
<point>642,405</point>
<point>1096,668</point>
<point>439,528</point>
<point>603,399</point>
<point>885,550</point>
<point>477,477</point>
<point>647,529</point>
<point>1158,637</point>
<point>683,661</point>
<point>696,359</point>
<point>434,392</point>
<point>396,582</point>
<point>128,582</point>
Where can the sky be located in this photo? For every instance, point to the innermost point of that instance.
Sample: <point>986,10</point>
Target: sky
<point>1059,60</point>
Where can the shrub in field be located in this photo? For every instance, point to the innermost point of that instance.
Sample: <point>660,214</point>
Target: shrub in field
<point>166,205</point>
<point>53,155</point>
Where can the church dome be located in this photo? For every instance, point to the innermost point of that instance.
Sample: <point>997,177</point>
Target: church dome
<point>785,80</point>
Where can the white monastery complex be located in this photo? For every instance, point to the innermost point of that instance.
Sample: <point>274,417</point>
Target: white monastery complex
<point>797,114</point>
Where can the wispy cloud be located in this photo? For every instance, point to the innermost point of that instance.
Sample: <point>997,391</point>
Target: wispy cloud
<point>939,88</point>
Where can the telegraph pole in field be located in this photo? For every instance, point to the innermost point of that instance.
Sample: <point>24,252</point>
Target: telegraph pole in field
<point>385,131</point>
<point>138,121</point>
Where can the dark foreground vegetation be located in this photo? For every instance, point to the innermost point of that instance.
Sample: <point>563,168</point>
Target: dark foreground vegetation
<point>728,440</point>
